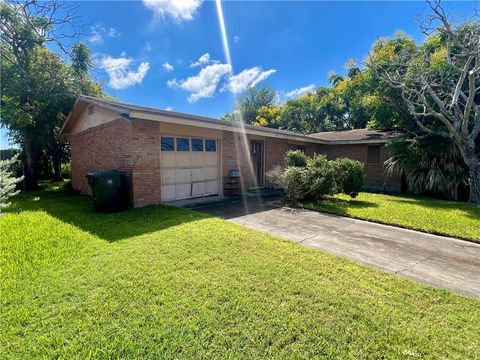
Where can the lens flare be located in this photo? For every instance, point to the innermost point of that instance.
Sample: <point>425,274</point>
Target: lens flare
<point>242,145</point>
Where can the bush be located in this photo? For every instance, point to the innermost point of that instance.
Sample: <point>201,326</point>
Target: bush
<point>348,175</point>
<point>295,158</point>
<point>8,182</point>
<point>321,177</point>
<point>274,177</point>
<point>295,182</point>
<point>67,170</point>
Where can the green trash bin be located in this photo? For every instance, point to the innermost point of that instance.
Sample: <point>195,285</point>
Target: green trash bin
<point>109,190</point>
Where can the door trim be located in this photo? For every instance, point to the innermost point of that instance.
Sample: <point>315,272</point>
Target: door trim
<point>262,185</point>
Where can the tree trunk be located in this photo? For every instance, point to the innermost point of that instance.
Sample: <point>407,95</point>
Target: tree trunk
<point>31,180</point>
<point>57,166</point>
<point>474,167</point>
<point>467,148</point>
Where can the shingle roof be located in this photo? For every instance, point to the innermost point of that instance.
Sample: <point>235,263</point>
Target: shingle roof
<point>331,137</point>
<point>124,107</point>
<point>355,135</point>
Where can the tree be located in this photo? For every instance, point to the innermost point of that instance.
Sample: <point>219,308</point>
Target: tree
<point>38,87</point>
<point>250,101</point>
<point>269,116</point>
<point>26,26</point>
<point>306,114</point>
<point>430,163</point>
<point>439,83</point>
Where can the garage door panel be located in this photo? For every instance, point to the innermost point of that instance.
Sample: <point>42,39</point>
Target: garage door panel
<point>198,159</point>
<point>211,173</point>
<point>211,158</point>
<point>198,189</point>
<point>168,159</point>
<point>168,176</point>
<point>198,174</point>
<point>168,192</point>
<point>187,174</point>
<point>183,191</point>
<point>184,159</point>
<point>211,187</point>
<point>183,176</point>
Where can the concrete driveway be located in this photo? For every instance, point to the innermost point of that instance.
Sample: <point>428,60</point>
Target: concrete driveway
<point>440,261</point>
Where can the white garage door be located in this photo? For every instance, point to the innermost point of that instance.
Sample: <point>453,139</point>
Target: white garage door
<point>189,167</point>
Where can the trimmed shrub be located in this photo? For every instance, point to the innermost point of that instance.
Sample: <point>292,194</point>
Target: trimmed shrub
<point>275,177</point>
<point>295,182</point>
<point>295,158</point>
<point>349,176</point>
<point>321,177</point>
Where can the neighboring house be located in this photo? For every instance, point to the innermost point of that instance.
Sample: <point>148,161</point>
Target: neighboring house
<point>169,156</point>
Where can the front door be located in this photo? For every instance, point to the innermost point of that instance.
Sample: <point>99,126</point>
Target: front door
<point>256,149</point>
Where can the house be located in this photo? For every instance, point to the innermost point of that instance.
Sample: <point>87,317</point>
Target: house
<point>169,156</point>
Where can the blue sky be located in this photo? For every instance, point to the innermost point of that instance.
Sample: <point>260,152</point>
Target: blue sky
<point>169,54</point>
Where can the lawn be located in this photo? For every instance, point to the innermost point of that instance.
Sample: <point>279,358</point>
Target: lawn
<point>434,216</point>
<point>161,282</point>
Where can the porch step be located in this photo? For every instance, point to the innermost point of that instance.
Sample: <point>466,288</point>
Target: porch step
<point>263,193</point>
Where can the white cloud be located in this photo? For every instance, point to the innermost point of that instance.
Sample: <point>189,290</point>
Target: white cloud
<point>120,73</point>
<point>169,108</point>
<point>300,91</point>
<point>204,84</point>
<point>177,9</point>
<point>98,32</point>
<point>167,67</point>
<point>204,60</point>
<point>248,77</point>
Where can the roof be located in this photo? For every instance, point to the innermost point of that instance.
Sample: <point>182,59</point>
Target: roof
<point>357,135</point>
<point>143,112</point>
<point>131,111</point>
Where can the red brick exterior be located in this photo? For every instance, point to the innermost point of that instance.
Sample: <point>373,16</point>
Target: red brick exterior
<point>131,147</point>
<point>234,158</point>
<point>134,147</point>
<point>375,178</point>
<point>103,147</point>
<point>146,162</point>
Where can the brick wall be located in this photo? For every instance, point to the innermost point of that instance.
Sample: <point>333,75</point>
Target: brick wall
<point>375,178</point>
<point>103,147</point>
<point>132,147</point>
<point>145,155</point>
<point>235,155</point>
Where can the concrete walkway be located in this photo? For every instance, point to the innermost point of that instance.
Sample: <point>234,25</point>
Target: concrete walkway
<point>440,261</point>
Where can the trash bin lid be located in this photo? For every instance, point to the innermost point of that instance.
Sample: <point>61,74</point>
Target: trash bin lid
<point>105,173</point>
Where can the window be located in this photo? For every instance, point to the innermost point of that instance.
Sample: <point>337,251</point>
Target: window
<point>166,143</point>
<point>210,145</point>
<point>373,155</point>
<point>183,144</point>
<point>91,109</point>
<point>296,147</point>
<point>197,144</point>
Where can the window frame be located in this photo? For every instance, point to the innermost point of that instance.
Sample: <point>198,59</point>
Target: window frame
<point>173,143</point>
<point>214,143</point>
<point>205,142</point>
<point>374,157</point>
<point>202,140</point>
<point>188,143</point>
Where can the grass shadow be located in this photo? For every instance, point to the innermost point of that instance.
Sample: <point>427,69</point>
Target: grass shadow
<point>77,210</point>
<point>338,206</point>
<point>431,203</point>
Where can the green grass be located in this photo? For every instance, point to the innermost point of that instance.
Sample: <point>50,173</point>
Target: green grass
<point>161,282</point>
<point>434,216</point>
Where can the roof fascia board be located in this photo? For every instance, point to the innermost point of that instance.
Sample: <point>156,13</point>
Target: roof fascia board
<point>176,118</point>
